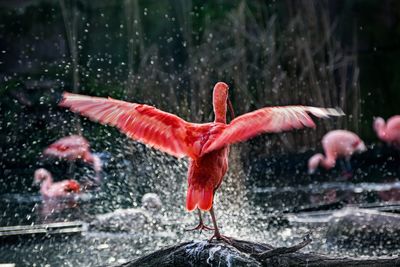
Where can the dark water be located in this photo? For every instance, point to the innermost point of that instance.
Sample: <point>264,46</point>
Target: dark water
<point>272,188</point>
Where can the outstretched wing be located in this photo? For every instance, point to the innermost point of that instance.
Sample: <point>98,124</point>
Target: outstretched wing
<point>271,119</point>
<point>143,123</point>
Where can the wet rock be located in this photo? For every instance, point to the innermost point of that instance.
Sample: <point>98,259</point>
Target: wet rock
<point>121,220</point>
<point>130,220</point>
<point>197,253</point>
<point>366,228</point>
<point>243,253</point>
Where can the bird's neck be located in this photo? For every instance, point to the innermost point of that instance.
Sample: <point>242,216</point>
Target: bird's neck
<point>221,119</point>
<point>329,161</point>
<point>97,166</point>
<point>94,160</point>
<point>46,184</point>
<point>319,159</point>
<point>219,103</point>
<point>220,112</point>
<point>96,163</point>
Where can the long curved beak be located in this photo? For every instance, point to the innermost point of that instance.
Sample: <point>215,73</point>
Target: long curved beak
<point>231,109</point>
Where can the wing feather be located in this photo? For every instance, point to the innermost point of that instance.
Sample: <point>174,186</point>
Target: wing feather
<point>143,123</point>
<point>267,120</point>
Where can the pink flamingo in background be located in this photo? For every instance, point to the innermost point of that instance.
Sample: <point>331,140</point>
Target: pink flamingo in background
<point>336,144</point>
<point>206,144</point>
<point>49,189</point>
<point>388,132</point>
<point>75,147</point>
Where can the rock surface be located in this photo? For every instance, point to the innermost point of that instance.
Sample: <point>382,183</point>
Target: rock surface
<point>243,253</point>
<point>361,227</point>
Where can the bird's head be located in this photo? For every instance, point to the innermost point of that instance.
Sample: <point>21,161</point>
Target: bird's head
<point>41,175</point>
<point>220,101</point>
<point>360,147</point>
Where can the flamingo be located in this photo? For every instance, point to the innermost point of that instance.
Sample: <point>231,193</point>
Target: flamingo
<point>75,147</point>
<point>49,189</point>
<point>388,132</point>
<point>336,144</point>
<point>206,144</point>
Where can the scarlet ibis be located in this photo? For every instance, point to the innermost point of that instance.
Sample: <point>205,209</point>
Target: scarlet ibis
<point>50,189</point>
<point>388,132</point>
<point>74,147</point>
<point>206,144</point>
<point>336,144</point>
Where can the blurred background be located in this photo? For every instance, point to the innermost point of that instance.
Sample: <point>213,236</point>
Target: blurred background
<point>170,54</point>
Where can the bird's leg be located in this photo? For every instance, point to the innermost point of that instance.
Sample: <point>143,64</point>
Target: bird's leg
<point>217,235</point>
<point>201,225</point>
<point>347,164</point>
<point>347,171</point>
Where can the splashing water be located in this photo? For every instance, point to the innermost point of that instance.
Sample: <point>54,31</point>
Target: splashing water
<point>243,211</point>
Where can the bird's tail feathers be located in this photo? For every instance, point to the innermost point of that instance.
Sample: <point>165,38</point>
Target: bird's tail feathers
<point>199,197</point>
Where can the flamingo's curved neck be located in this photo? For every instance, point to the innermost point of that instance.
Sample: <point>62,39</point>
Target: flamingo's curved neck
<point>95,161</point>
<point>97,164</point>
<point>327,162</point>
<point>46,184</point>
<point>92,159</point>
<point>88,157</point>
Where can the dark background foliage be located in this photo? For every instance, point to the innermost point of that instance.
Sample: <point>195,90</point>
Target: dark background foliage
<point>171,53</point>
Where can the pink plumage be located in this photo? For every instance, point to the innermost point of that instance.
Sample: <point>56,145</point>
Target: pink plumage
<point>336,144</point>
<point>50,189</point>
<point>206,144</point>
<point>388,132</point>
<point>72,148</point>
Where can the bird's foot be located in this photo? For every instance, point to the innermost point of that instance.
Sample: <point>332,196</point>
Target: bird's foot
<point>223,238</point>
<point>200,227</point>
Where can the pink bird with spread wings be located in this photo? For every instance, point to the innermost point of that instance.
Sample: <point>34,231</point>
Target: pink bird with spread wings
<point>206,144</point>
